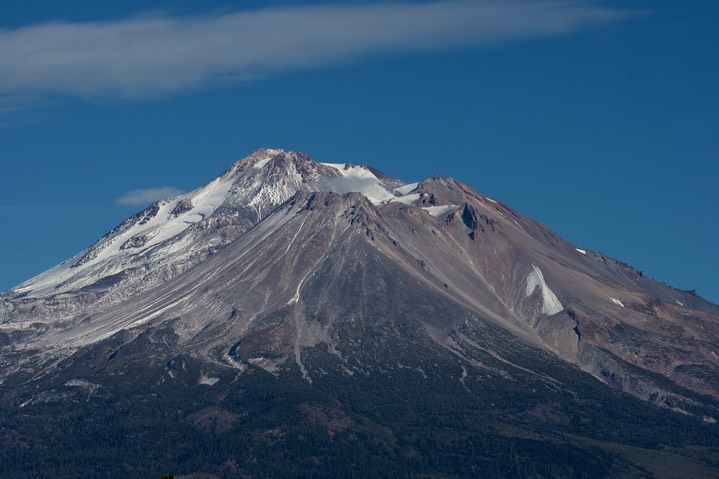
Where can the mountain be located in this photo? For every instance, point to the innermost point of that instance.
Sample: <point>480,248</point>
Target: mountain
<point>354,324</point>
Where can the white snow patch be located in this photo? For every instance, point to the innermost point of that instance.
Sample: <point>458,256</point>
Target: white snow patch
<point>296,297</point>
<point>679,302</point>
<point>550,302</point>
<point>357,179</point>
<point>338,166</point>
<point>144,319</point>
<point>406,189</point>
<point>406,199</point>
<point>490,199</point>
<point>616,301</point>
<point>581,250</point>
<point>440,210</point>
<point>82,383</point>
<point>262,163</point>
<point>208,380</point>
<point>270,154</point>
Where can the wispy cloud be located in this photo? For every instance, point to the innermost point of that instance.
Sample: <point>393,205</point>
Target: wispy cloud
<point>14,108</point>
<point>147,196</point>
<point>161,55</point>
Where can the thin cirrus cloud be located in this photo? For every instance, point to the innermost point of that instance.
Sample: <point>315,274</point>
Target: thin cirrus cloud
<point>161,55</point>
<point>147,196</point>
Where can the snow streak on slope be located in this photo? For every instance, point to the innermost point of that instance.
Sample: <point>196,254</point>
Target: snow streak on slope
<point>440,210</point>
<point>407,189</point>
<point>164,220</point>
<point>550,303</point>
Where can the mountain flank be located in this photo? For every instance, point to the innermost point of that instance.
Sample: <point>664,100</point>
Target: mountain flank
<point>359,325</point>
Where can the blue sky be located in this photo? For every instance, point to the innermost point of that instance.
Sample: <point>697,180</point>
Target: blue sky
<point>599,119</point>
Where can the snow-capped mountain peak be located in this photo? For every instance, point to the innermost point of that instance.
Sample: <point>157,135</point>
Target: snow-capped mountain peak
<point>281,254</point>
<point>170,235</point>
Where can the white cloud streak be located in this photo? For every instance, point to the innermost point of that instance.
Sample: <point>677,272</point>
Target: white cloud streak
<point>148,196</point>
<point>161,55</point>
